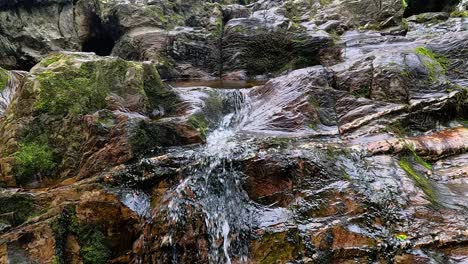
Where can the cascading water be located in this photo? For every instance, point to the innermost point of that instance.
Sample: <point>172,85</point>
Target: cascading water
<point>7,92</point>
<point>217,185</point>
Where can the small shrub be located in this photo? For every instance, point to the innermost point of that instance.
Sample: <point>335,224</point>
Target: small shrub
<point>33,159</point>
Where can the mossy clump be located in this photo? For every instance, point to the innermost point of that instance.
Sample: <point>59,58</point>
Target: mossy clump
<point>325,2</point>
<point>459,13</point>
<point>17,208</point>
<point>51,59</point>
<point>94,247</point>
<point>433,62</point>
<point>199,122</point>
<point>402,237</point>
<point>4,77</point>
<point>417,158</point>
<point>159,95</point>
<point>404,4</point>
<point>72,85</point>
<point>398,127</point>
<point>141,138</point>
<point>420,180</point>
<point>363,91</point>
<point>62,89</point>
<point>33,159</point>
<point>277,248</point>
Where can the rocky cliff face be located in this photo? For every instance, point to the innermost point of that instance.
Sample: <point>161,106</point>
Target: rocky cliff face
<point>352,151</point>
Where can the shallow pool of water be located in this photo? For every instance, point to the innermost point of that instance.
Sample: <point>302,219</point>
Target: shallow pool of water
<point>220,84</point>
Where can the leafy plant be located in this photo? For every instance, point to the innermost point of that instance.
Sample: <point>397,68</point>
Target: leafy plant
<point>33,159</point>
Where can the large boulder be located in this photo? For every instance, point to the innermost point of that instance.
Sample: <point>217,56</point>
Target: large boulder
<point>78,110</point>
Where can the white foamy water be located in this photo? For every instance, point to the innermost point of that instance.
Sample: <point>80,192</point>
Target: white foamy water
<point>217,186</point>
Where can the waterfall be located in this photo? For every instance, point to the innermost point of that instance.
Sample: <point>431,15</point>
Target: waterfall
<point>217,185</point>
<point>7,92</point>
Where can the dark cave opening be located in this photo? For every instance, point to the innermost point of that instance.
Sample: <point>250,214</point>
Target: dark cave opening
<point>423,6</point>
<point>100,40</point>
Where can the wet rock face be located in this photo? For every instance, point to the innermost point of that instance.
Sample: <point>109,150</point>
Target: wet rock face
<point>361,159</point>
<point>418,7</point>
<point>32,29</point>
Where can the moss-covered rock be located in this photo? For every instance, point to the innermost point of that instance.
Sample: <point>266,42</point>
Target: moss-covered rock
<point>99,227</point>
<point>280,247</point>
<point>3,79</point>
<point>15,209</point>
<point>50,120</point>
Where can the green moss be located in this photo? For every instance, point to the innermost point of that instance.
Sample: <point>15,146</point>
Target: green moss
<point>345,175</point>
<point>401,237</point>
<point>404,4</point>
<point>291,11</point>
<point>325,2</point>
<point>51,59</point>
<point>15,209</point>
<point>363,91</point>
<point>458,13</point>
<point>397,127</point>
<point>463,121</point>
<point>405,24</point>
<point>410,149</point>
<point>159,95</point>
<point>277,248</point>
<point>433,62</point>
<point>33,159</point>
<point>94,247</point>
<point>3,79</point>
<point>199,122</point>
<point>420,180</point>
<point>83,88</point>
<point>405,73</point>
<point>141,139</point>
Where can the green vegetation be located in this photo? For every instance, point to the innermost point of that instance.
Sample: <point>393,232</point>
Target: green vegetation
<point>141,138</point>
<point>433,62</point>
<point>291,11</point>
<point>33,158</point>
<point>51,59</point>
<point>420,180</point>
<point>73,89</point>
<point>15,209</point>
<point>157,93</point>
<point>3,79</point>
<point>404,4</point>
<point>69,87</point>
<point>325,2</point>
<point>277,248</point>
<point>397,127</point>
<point>363,91</point>
<point>459,13</point>
<point>401,237</point>
<point>94,247</point>
<point>418,159</point>
<point>199,122</point>
<point>164,15</point>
